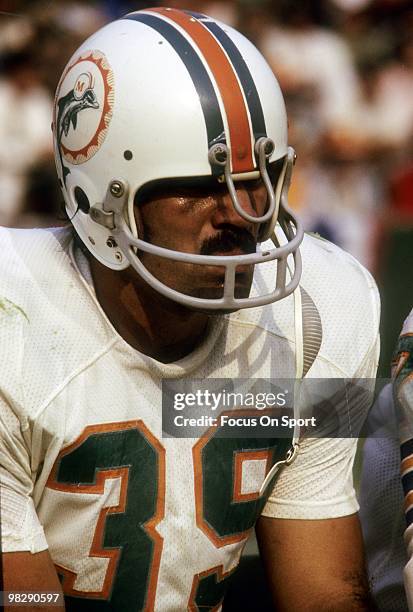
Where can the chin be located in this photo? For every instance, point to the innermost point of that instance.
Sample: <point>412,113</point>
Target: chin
<point>215,292</point>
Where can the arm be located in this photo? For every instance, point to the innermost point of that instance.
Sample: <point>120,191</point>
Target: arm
<point>25,572</point>
<point>26,564</point>
<point>315,565</point>
<point>309,533</point>
<point>402,367</point>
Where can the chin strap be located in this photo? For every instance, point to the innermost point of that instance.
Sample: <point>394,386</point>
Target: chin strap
<point>308,338</point>
<point>299,374</point>
<point>299,367</point>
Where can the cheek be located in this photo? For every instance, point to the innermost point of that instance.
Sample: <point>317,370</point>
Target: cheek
<point>152,224</point>
<point>169,227</point>
<point>259,200</point>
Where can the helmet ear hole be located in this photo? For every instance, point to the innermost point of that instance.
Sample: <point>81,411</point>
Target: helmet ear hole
<point>81,199</point>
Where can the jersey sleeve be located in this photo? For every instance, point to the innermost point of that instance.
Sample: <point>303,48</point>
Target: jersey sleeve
<point>20,527</point>
<point>319,482</point>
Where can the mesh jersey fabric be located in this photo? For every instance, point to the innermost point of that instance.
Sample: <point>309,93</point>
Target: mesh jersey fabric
<point>381,503</point>
<point>403,395</point>
<point>71,383</point>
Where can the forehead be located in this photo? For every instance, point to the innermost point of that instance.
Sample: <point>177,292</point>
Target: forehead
<point>178,188</point>
<point>199,187</point>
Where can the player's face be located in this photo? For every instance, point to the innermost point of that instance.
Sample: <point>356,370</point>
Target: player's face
<point>201,220</point>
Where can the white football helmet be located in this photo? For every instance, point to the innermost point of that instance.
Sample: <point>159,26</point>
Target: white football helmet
<point>167,94</point>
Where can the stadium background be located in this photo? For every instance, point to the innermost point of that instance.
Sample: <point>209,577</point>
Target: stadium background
<point>346,69</point>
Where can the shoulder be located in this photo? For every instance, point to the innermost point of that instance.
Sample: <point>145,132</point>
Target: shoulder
<point>334,275</point>
<point>342,294</point>
<point>29,260</point>
<point>21,241</point>
<point>44,309</point>
<point>348,302</point>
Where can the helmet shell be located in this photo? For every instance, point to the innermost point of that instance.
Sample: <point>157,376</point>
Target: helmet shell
<point>144,98</point>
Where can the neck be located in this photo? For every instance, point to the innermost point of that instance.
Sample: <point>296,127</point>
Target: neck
<point>152,324</point>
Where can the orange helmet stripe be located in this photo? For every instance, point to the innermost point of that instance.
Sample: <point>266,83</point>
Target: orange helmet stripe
<point>242,157</point>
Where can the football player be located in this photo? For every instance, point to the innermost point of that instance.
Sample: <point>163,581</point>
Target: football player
<point>403,395</point>
<point>381,505</point>
<point>171,149</point>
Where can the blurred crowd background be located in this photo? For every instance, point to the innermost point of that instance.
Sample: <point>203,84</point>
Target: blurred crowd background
<point>346,70</point>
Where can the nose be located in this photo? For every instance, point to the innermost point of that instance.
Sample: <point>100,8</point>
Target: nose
<point>224,213</point>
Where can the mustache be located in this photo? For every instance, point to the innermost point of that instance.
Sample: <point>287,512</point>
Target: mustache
<point>228,239</point>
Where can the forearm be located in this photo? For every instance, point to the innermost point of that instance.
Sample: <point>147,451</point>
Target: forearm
<point>24,572</point>
<point>315,565</point>
<point>348,595</point>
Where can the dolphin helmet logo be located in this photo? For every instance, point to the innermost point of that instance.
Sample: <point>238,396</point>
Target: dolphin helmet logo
<point>87,84</point>
<point>79,98</point>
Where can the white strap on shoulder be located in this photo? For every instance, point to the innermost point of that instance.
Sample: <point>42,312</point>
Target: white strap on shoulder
<point>299,361</point>
<point>299,372</point>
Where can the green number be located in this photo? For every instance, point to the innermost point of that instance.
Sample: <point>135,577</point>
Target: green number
<point>224,518</point>
<point>210,591</point>
<point>138,454</point>
<point>126,533</point>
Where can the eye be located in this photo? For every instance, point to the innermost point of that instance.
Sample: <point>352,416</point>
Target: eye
<point>254,186</point>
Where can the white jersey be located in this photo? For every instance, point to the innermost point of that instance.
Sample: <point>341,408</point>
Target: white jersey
<point>129,516</point>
